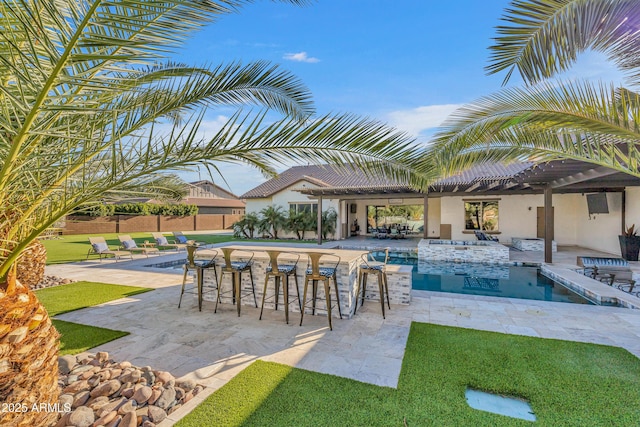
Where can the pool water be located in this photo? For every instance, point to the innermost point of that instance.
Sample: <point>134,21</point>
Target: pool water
<point>483,279</point>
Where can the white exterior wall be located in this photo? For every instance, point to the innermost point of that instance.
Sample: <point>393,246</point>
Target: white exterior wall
<point>633,206</point>
<point>602,230</point>
<point>289,195</point>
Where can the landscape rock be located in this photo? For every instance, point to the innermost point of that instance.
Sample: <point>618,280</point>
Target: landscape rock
<point>66,364</point>
<point>167,397</point>
<point>107,388</point>
<point>82,417</point>
<point>79,399</point>
<point>142,394</point>
<point>156,414</point>
<point>130,419</point>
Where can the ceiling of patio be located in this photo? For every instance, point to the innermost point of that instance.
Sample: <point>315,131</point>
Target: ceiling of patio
<point>563,176</point>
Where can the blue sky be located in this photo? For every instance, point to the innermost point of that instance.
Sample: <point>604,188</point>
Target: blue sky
<point>408,63</point>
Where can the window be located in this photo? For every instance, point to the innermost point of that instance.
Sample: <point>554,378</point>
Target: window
<point>303,207</point>
<point>481,215</point>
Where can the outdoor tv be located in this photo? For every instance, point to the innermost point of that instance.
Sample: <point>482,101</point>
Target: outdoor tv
<point>597,203</point>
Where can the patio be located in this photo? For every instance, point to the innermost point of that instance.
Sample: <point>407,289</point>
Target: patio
<point>213,348</point>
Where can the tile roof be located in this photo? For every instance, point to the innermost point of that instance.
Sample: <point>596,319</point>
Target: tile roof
<point>347,176</point>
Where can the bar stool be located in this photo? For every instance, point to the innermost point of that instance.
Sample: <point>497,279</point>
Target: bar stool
<point>371,266</point>
<point>236,268</point>
<point>315,273</point>
<point>279,272</point>
<point>199,267</point>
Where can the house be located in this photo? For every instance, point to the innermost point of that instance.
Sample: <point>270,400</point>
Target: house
<point>213,199</point>
<point>504,200</point>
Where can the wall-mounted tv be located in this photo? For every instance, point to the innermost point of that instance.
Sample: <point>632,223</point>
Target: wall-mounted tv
<point>597,203</point>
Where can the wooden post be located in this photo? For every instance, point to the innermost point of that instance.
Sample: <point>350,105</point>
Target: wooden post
<point>319,230</point>
<point>425,223</point>
<point>548,225</point>
<point>624,211</point>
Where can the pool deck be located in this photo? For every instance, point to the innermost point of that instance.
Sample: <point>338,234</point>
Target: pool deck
<point>213,348</point>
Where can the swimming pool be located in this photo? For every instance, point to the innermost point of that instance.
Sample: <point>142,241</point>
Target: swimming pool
<point>507,281</point>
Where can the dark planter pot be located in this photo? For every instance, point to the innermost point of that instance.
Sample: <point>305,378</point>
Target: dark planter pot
<point>629,246</point>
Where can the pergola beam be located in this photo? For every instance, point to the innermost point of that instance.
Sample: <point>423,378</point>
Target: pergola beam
<point>582,176</point>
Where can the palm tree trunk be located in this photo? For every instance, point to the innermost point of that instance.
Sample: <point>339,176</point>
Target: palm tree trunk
<point>28,357</point>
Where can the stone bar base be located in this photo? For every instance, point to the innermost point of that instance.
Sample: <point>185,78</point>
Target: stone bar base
<point>399,279</point>
<point>462,251</point>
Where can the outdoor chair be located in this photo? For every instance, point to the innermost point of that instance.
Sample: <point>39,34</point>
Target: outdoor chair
<point>236,268</point>
<point>99,247</point>
<point>620,277</point>
<point>394,234</point>
<point>199,266</point>
<point>162,242</point>
<point>128,244</point>
<point>382,233</point>
<point>280,272</point>
<point>313,275</point>
<point>180,238</point>
<point>369,265</point>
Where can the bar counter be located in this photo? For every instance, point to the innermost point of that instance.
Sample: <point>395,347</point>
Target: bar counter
<point>399,278</point>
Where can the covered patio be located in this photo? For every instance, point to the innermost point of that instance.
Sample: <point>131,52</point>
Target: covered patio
<point>561,178</point>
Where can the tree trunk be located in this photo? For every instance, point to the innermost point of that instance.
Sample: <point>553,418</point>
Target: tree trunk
<point>30,268</point>
<point>28,358</point>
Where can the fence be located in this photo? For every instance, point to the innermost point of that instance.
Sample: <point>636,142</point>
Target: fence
<point>135,223</point>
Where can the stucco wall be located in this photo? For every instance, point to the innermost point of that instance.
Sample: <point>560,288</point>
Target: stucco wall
<point>287,196</point>
<point>602,230</point>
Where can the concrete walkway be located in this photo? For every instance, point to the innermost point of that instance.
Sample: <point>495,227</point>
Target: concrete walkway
<point>213,348</point>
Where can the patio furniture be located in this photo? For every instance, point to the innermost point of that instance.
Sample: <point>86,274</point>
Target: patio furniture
<point>180,238</point>
<point>589,263</point>
<point>481,235</point>
<point>99,247</point>
<point>316,273</point>
<point>162,242</point>
<point>381,233</point>
<point>236,268</point>
<point>198,266</point>
<point>621,277</point>
<point>128,244</point>
<point>368,266</point>
<point>279,273</point>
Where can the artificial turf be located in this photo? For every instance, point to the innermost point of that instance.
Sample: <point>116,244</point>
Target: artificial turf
<point>566,383</point>
<point>76,338</point>
<point>74,296</point>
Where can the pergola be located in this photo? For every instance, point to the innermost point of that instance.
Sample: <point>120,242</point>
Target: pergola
<point>560,176</point>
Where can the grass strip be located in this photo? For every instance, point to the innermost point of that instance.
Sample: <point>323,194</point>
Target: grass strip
<point>74,296</point>
<point>566,383</point>
<point>74,248</point>
<point>76,338</point>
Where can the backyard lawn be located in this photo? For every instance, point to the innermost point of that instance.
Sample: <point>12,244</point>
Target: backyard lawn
<point>566,383</point>
<point>74,248</point>
<point>76,338</point>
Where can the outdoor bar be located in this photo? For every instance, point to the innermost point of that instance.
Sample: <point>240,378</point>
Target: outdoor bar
<point>399,277</point>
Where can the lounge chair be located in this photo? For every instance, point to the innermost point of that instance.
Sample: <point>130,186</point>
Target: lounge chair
<point>128,244</point>
<point>162,242</point>
<point>180,238</point>
<point>99,247</point>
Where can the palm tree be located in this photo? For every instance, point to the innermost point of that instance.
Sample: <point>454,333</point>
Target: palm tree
<point>329,222</point>
<point>247,225</point>
<point>596,123</point>
<point>299,223</point>
<point>274,218</point>
<point>84,96</point>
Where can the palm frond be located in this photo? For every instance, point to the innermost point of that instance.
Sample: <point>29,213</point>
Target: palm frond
<point>543,37</point>
<point>578,120</point>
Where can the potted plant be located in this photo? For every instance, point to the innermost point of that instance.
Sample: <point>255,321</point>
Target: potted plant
<point>630,243</point>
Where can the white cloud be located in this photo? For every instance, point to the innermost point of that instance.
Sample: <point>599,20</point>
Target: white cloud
<point>300,57</point>
<point>421,119</point>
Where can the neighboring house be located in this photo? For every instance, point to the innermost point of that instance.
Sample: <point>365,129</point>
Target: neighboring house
<point>212,199</point>
<point>506,201</point>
